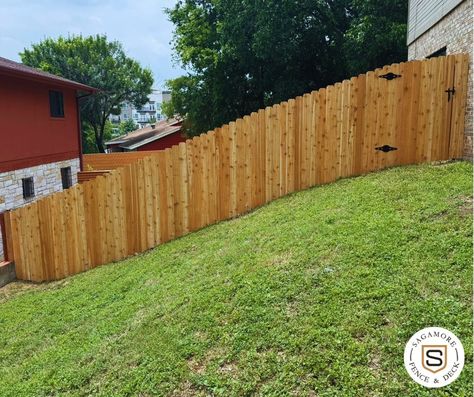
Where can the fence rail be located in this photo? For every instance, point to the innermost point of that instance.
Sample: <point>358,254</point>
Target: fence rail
<point>312,139</point>
<point>112,161</point>
<point>84,176</point>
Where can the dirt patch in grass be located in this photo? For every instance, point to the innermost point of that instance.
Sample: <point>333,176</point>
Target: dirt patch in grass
<point>228,368</point>
<point>281,260</point>
<point>186,389</point>
<point>199,365</point>
<point>292,309</point>
<point>19,287</point>
<point>374,362</point>
<point>465,209</point>
<point>443,162</point>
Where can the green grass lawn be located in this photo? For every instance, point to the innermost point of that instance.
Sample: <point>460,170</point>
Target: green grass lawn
<point>315,294</point>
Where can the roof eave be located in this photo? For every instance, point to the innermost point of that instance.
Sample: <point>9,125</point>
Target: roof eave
<point>150,139</point>
<point>114,142</point>
<point>48,80</point>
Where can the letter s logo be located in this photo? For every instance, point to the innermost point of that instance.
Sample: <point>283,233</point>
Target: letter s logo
<point>434,358</point>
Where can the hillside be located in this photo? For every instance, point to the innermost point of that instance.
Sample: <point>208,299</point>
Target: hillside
<point>314,294</point>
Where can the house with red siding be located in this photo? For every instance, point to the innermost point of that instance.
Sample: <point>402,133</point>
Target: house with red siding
<point>40,134</point>
<point>158,136</point>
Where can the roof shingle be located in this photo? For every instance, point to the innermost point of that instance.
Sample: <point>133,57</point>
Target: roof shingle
<point>18,69</point>
<point>145,135</point>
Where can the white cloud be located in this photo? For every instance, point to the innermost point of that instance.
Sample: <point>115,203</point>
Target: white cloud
<point>141,26</point>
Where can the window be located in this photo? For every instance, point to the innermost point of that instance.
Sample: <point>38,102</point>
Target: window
<point>440,53</point>
<point>66,177</point>
<point>56,104</point>
<point>28,188</point>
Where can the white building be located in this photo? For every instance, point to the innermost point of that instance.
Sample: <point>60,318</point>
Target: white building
<point>149,112</point>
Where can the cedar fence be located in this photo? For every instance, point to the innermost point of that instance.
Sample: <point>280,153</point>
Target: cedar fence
<point>346,129</point>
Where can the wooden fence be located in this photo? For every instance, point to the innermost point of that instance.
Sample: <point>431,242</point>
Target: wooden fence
<point>313,139</point>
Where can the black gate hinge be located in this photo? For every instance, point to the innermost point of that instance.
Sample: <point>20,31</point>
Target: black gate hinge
<point>451,92</point>
<point>386,148</point>
<point>390,76</point>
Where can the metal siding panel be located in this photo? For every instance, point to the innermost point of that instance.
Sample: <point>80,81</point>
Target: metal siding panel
<point>424,14</point>
<point>428,15</point>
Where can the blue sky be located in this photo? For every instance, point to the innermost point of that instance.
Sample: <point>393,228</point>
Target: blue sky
<point>140,25</point>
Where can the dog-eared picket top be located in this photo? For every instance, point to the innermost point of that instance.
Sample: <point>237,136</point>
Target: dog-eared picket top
<point>413,114</point>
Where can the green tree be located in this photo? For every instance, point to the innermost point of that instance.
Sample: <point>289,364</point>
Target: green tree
<point>249,54</point>
<point>88,137</point>
<point>377,34</point>
<point>245,55</point>
<point>97,62</point>
<point>127,126</point>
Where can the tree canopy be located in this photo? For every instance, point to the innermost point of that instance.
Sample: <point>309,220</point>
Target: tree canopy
<point>97,62</point>
<point>245,55</point>
<point>127,126</point>
<point>376,35</point>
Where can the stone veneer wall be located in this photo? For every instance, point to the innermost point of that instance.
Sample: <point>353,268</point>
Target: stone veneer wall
<point>455,31</point>
<point>47,180</point>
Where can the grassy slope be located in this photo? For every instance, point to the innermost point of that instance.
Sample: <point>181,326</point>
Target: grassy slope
<point>315,294</point>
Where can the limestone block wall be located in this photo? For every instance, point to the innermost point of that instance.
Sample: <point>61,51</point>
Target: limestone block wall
<point>46,178</point>
<point>455,32</point>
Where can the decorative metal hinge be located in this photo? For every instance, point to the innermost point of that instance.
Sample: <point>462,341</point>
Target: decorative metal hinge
<point>386,148</point>
<point>390,76</point>
<point>451,92</point>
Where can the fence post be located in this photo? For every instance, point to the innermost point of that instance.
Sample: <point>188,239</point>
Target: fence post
<point>2,238</point>
<point>5,230</point>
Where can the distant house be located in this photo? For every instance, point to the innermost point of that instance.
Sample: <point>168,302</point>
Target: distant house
<point>40,137</point>
<point>149,112</point>
<point>443,27</point>
<point>160,135</point>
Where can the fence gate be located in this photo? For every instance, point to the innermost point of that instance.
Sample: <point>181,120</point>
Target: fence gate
<point>413,113</point>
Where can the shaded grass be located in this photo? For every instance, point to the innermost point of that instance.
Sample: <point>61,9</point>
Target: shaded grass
<point>315,294</point>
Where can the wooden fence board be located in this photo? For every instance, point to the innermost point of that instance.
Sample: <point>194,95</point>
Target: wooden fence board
<point>213,181</point>
<point>165,212</point>
<point>205,182</point>
<point>254,143</point>
<point>305,147</point>
<point>247,155</point>
<point>461,73</point>
<point>261,171</point>
<point>240,148</point>
<point>223,141</point>
<point>268,154</point>
<point>233,169</point>
<point>290,142</point>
